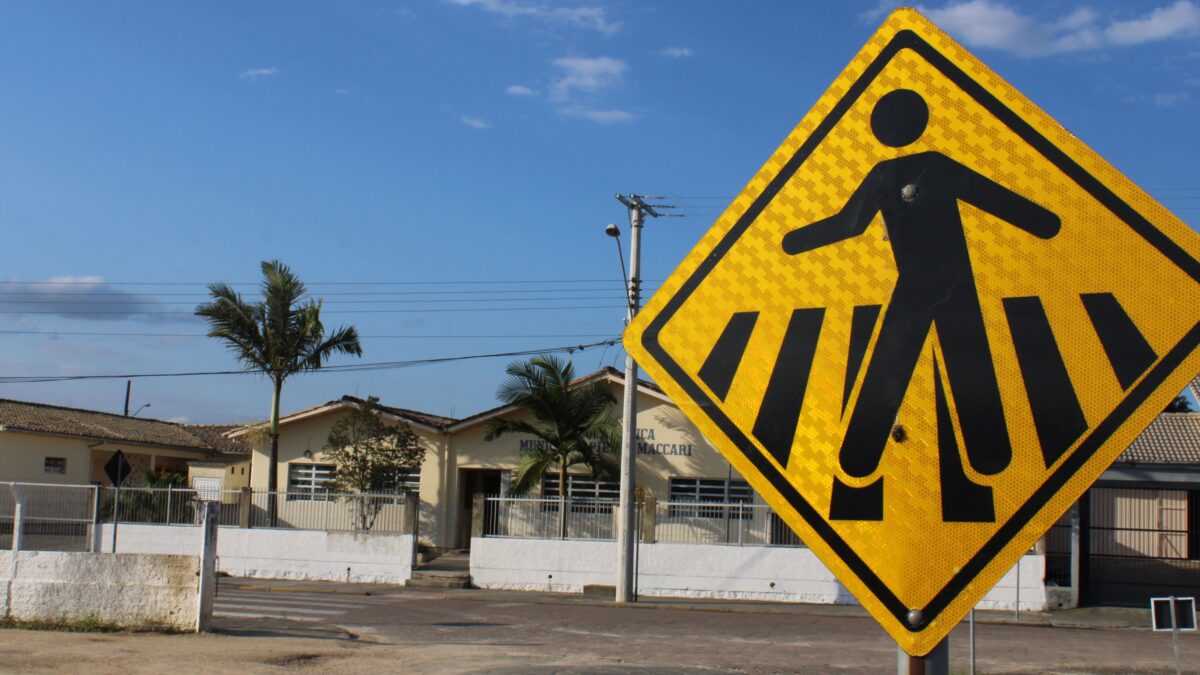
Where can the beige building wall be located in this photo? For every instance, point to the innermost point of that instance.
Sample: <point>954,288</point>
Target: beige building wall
<point>668,446</point>
<point>310,435</point>
<point>24,458</point>
<point>460,462</point>
<point>233,476</point>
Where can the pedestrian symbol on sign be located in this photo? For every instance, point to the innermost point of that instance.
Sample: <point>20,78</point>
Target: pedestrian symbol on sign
<point>918,196</point>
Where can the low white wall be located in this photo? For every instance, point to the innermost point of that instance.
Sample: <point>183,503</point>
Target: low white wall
<point>699,571</point>
<point>279,554</point>
<point>138,591</point>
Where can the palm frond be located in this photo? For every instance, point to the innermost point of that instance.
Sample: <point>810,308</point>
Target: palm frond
<point>529,474</point>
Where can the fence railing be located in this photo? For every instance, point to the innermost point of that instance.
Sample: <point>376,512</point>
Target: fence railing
<point>46,517</point>
<point>54,517</point>
<point>333,512</point>
<point>550,518</point>
<point>741,524</point>
<point>246,508</point>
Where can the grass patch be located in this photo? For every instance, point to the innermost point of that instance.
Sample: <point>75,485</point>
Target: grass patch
<point>91,624</point>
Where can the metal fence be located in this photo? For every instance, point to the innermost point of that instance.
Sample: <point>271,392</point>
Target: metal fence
<point>163,506</point>
<point>550,518</point>
<point>46,517</point>
<point>741,524</point>
<point>333,512</point>
<point>293,510</point>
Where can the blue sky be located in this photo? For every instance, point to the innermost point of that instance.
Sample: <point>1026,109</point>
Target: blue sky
<point>439,155</point>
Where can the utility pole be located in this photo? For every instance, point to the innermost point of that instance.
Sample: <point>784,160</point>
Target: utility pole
<point>627,524</point>
<point>128,386</point>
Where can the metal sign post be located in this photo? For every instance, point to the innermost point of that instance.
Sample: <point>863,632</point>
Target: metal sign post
<point>117,469</point>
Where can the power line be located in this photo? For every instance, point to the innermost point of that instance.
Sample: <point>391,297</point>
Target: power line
<point>354,367</point>
<point>330,294</point>
<point>256,284</point>
<point>325,311</point>
<point>338,303</point>
<point>369,337</point>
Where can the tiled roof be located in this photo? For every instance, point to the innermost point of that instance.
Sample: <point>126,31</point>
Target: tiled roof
<point>57,420</point>
<point>1172,438</point>
<point>436,421</point>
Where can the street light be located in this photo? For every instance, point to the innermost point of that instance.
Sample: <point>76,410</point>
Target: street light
<point>135,412</point>
<point>626,525</point>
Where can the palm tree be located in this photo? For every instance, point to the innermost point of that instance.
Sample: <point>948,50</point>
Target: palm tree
<point>279,337</point>
<point>575,424</point>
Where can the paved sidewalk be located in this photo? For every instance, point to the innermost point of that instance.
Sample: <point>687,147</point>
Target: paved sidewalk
<point>1087,617</point>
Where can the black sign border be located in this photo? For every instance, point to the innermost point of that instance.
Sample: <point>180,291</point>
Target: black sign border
<point>1100,433</point>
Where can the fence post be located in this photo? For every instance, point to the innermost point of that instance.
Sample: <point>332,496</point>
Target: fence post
<point>412,514</point>
<point>208,565</point>
<point>18,518</point>
<point>412,521</point>
<point>649,519</point>
<point>245,506</point>
<point>477,515</point>
<point>169,504</point>
<point>94,544</point>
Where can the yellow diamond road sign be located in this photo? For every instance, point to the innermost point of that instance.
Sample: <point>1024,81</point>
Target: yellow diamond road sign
<point>926,326</point>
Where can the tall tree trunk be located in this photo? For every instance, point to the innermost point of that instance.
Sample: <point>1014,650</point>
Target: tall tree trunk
<point>562,498</point>
<point>273,470</point>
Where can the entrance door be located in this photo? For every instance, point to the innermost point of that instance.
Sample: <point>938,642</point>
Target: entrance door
<point>473,482</point>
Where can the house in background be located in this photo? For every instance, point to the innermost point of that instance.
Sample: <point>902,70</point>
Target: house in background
<point>675,462</point>
<point>42,443</point>
<point>1138,527</point>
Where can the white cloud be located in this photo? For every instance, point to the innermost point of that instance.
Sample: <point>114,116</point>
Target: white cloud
<point>585,16</point>
<point>612,116</point>
<point>1168,100</point>
<point>341,91</point>
<point>676,52</point>
<point>585,74</point>
<point>1177,20</point>
<point>519,90</point>
<point>474,122</point>
<point>984,23</point>
<point>255,73</point>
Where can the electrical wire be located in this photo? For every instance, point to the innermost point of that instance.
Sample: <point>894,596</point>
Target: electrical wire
<point>370,337</point>
<point>118,314</point>
<point>352,367</point>
<point>256,284</point>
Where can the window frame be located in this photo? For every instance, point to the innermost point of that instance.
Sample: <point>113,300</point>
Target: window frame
<point>684,491</point>
<point>585,493</point>
<point>311,484</point>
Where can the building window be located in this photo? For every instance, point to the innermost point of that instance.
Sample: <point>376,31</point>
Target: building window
<point>683,491</point>
<point>408,481</point>
<point>587,495</point>
<point>55,465</point>
<point>309,481</point>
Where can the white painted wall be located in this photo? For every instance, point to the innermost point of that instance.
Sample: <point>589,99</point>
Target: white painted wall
<point>138,591</point>
<point>279,554</point>
<point>699,571</point>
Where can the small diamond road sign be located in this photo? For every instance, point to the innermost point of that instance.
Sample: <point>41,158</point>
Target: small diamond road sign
<point>926,326</point>
<point>117,468</point>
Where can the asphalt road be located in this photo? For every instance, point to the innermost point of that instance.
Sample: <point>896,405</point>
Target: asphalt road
<point>399,630</point>
<point>525,633</point>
